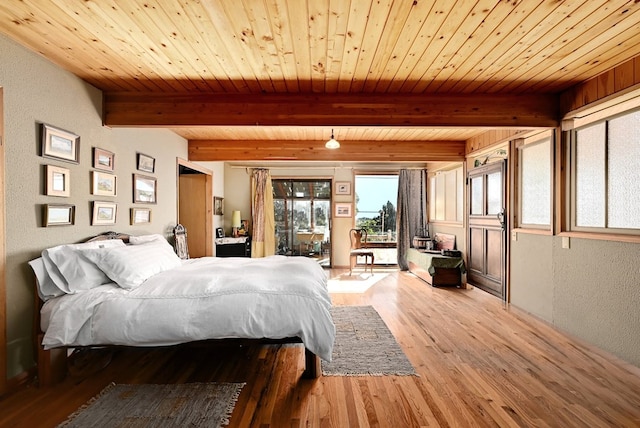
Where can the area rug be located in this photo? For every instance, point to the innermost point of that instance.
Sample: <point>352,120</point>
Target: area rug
<point>178,405</point>
<point>354,283</point>
<point>364,345</point>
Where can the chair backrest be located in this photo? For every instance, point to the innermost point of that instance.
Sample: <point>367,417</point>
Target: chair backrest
<point>180,245</point>
<point>358,238</point>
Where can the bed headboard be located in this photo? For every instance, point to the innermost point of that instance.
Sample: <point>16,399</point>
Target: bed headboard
<point>110,235</point>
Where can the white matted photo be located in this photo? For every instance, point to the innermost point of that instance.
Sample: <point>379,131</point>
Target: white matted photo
<point>103,159</point>
<point>104,213</point>
<point>58,214</point>
<point>58,181</point>
<point>343,188</point>
<point>60,144</point>
<point>343,210</point>
<point>103,184</point>
<point>140,215</point>
<point>144,189</point>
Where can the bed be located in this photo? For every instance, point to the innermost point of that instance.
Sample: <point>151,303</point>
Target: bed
<point>122,290</point>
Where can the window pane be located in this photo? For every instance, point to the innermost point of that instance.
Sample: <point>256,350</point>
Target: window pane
<point>376,199</point>
<point>494,193</point>
<point>624,172</point>
<point>432,198</point>
<point>535,182</point>
<point>451,192</point>
<point>590,176</point>
<point>476,195</point>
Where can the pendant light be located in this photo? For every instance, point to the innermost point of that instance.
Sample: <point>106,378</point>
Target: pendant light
<point>332,144</point>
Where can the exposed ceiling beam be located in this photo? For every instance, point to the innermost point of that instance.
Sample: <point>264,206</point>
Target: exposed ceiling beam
<point>178,109</point>
<point>359,151</point>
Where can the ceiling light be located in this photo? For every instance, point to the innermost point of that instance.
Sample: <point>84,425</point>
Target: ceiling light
<point>332,143</point>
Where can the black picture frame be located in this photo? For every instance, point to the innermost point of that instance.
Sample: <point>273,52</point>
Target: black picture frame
<point>219,232</point>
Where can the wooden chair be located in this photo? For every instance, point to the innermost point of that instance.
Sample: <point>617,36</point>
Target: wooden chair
<point>359,248</point>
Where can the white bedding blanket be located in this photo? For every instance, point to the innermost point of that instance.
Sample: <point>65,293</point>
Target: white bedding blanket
<point>207,298</point>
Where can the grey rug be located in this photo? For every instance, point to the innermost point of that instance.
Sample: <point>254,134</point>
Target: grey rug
<point>364,345</point>
<point>179,405</point>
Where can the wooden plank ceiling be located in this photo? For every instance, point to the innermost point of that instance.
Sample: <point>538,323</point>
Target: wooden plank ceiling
<point>270,79</point>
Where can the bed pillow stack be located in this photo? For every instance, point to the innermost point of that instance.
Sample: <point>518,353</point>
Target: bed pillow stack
<point>131,265</point>
<point>64,270</point>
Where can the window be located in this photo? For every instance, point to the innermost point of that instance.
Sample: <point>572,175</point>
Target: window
<point>605,175</point>
<point>535,184</point>
<point>446,198</point>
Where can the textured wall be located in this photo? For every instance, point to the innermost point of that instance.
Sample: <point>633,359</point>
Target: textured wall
<point>590,290</point>
<point>37,91</point>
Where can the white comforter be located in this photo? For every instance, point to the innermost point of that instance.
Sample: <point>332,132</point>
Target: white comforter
<point>207,298</point>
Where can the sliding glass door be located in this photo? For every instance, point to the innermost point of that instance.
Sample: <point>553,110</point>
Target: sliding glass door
<point>303,218</point>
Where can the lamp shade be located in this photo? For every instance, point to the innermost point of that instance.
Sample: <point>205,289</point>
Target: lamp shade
<point>332,144</point>
<point>236,221</point>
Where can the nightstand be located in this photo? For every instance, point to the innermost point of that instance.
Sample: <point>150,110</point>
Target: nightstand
<point>233,247</point>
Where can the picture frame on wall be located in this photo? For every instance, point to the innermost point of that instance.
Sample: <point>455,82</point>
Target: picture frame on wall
<point>103,184</point>
<point>343,188</point>
<point>145,189</point>
<point>103,159</point>
<point>58,215</point>
<point>104,213</point>
<point>60,144</point>
<point>146,163</point>
<point>218,205</point>
<point>342,210</point>
<point>140,216</point>
<point>58,181</point>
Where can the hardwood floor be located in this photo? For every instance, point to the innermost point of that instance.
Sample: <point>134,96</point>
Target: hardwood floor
<point>481,364</point>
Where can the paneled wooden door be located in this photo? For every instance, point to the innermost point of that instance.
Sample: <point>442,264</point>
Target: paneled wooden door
<point>487,252</point>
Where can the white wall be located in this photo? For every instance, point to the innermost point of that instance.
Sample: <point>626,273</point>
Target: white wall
<point>37,91</point>
<point>217,168</point>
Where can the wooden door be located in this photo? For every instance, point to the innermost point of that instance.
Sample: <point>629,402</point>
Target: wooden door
<point>486,266</point>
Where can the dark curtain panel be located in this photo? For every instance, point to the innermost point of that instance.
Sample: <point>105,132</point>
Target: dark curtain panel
<point>412,210</point>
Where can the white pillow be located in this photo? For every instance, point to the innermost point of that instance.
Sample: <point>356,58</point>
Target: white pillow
<point>74,271</point>
<point>143,239</point>
<point>131,265</point>
<point>47,289</point>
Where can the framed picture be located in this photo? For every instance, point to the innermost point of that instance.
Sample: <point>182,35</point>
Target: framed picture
<point>103,159</point>
<point>58,181</point>
<point>146,163</point>
<point>140,216</point>
<point>343,188</point>
<point>60,144</point>
<point>104,213</point>
<point>219,232</point>
<point>342,210</point>
<point>244,228</point>
<point>58,215</point>
<point>103,184</point>
<point>218,205</point>
<point>144,189</point>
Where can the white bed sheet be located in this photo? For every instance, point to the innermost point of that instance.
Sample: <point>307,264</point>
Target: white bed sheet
<point>206,298</point>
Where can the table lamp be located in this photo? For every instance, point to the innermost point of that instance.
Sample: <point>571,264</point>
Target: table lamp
<point>236,222</point>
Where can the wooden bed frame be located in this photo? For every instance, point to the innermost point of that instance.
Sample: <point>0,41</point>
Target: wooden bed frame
<point>52,363</point>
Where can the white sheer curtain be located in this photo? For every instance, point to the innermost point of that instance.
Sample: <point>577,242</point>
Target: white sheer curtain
<point>263,220</point>
<point>412,210</point>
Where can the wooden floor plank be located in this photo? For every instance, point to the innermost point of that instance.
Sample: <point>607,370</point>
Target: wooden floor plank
<point>480,362</point>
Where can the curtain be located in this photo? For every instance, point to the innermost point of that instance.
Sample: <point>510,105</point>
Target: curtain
<point>412,210</point>
<point>263,220</point>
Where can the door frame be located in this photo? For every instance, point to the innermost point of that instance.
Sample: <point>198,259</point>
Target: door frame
<point>208,229</point>
<point>3,288</point>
